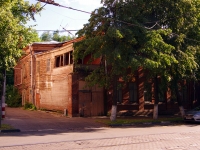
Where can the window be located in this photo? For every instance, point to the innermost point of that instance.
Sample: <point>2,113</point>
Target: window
<point>59,61</point>
<point>161,96</point>
<point>64,59</point>
<point>132,92</point>
<point>148,92</point>
<point>119,95</point>
<point>48,65</point>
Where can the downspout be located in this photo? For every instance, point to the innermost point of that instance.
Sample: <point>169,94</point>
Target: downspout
<point>31,69</point>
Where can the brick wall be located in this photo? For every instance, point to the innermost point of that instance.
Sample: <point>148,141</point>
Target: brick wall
<point>53,85</point>
<point>22,79</point>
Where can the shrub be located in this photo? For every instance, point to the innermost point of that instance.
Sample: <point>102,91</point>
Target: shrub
<point>29,106</point>
<point>13,98</point>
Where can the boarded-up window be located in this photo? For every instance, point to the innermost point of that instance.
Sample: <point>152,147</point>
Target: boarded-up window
<point>48,65</point>
<point>18,76</point>
<point>64,59</point>
<point>24,71</point>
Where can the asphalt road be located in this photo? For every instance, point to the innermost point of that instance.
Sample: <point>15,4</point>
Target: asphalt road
<point>85,133</point>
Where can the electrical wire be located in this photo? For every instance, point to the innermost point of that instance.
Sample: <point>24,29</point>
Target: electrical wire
<point>66,16</point>
<point>56,30</point>
<point>130,24</point>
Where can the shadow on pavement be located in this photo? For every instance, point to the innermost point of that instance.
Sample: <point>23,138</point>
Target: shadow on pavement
<point>41,123</point>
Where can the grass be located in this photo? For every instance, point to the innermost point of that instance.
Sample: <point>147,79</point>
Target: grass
<point>125,121</point>
<point>6,127</point>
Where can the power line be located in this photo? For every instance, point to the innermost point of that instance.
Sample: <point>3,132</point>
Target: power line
<point>56,30</point>
<point>130,24</point>
<point>56,4</point>
<point>65,15</point>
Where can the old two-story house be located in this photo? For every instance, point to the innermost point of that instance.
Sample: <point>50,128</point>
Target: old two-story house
<point>47,77</point>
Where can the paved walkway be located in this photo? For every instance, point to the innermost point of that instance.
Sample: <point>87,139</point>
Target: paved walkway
<point>27,120</point>
<point>86,134</point>
<point>163,141</point>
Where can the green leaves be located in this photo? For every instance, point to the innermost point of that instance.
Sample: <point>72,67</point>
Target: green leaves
<point>148,34</point>
<point>14,34</point>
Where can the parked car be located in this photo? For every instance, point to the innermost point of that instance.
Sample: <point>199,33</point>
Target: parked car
<point>193,115</point>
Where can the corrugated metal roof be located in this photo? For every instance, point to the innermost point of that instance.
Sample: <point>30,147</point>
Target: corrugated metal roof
<point>47,42</point>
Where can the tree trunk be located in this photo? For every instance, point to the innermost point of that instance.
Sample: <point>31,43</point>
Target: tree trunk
<point>114,103</point>
<point>113,113</point>
<point>155,110</point>
<point>182,111</point>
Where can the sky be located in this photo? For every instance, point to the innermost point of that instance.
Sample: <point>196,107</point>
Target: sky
<point>57,18</point>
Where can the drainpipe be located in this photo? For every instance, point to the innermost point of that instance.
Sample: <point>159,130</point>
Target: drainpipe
<point>31,52</point>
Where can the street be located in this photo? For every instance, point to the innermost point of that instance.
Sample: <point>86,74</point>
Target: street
<point>171,137</point>
<point>184,137</point>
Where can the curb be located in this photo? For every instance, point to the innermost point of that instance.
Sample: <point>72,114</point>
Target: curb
<point>144,123</point>
<point>10,130</point>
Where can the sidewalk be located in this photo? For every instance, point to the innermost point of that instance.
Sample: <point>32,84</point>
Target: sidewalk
<point>26,120</point>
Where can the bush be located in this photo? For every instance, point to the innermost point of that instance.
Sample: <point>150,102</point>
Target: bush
<point>29,106</point>
<point>13,98</point>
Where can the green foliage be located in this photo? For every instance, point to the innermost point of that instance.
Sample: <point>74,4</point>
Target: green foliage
<point>47,36</point>
<point>139,121</point>
<point>149,34</point>
<point>10,77</point>
<point>14,34</point>
<point>60,38</point>
<point>29,106</point>
<point>13,98</point>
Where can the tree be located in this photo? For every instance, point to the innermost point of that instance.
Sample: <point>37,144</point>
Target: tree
<point>47,36</point>
<point>132,34</point>
<point>60,38</point>
<point>14,34</point>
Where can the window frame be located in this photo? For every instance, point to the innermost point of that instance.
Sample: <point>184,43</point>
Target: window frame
<point>64,59</point>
